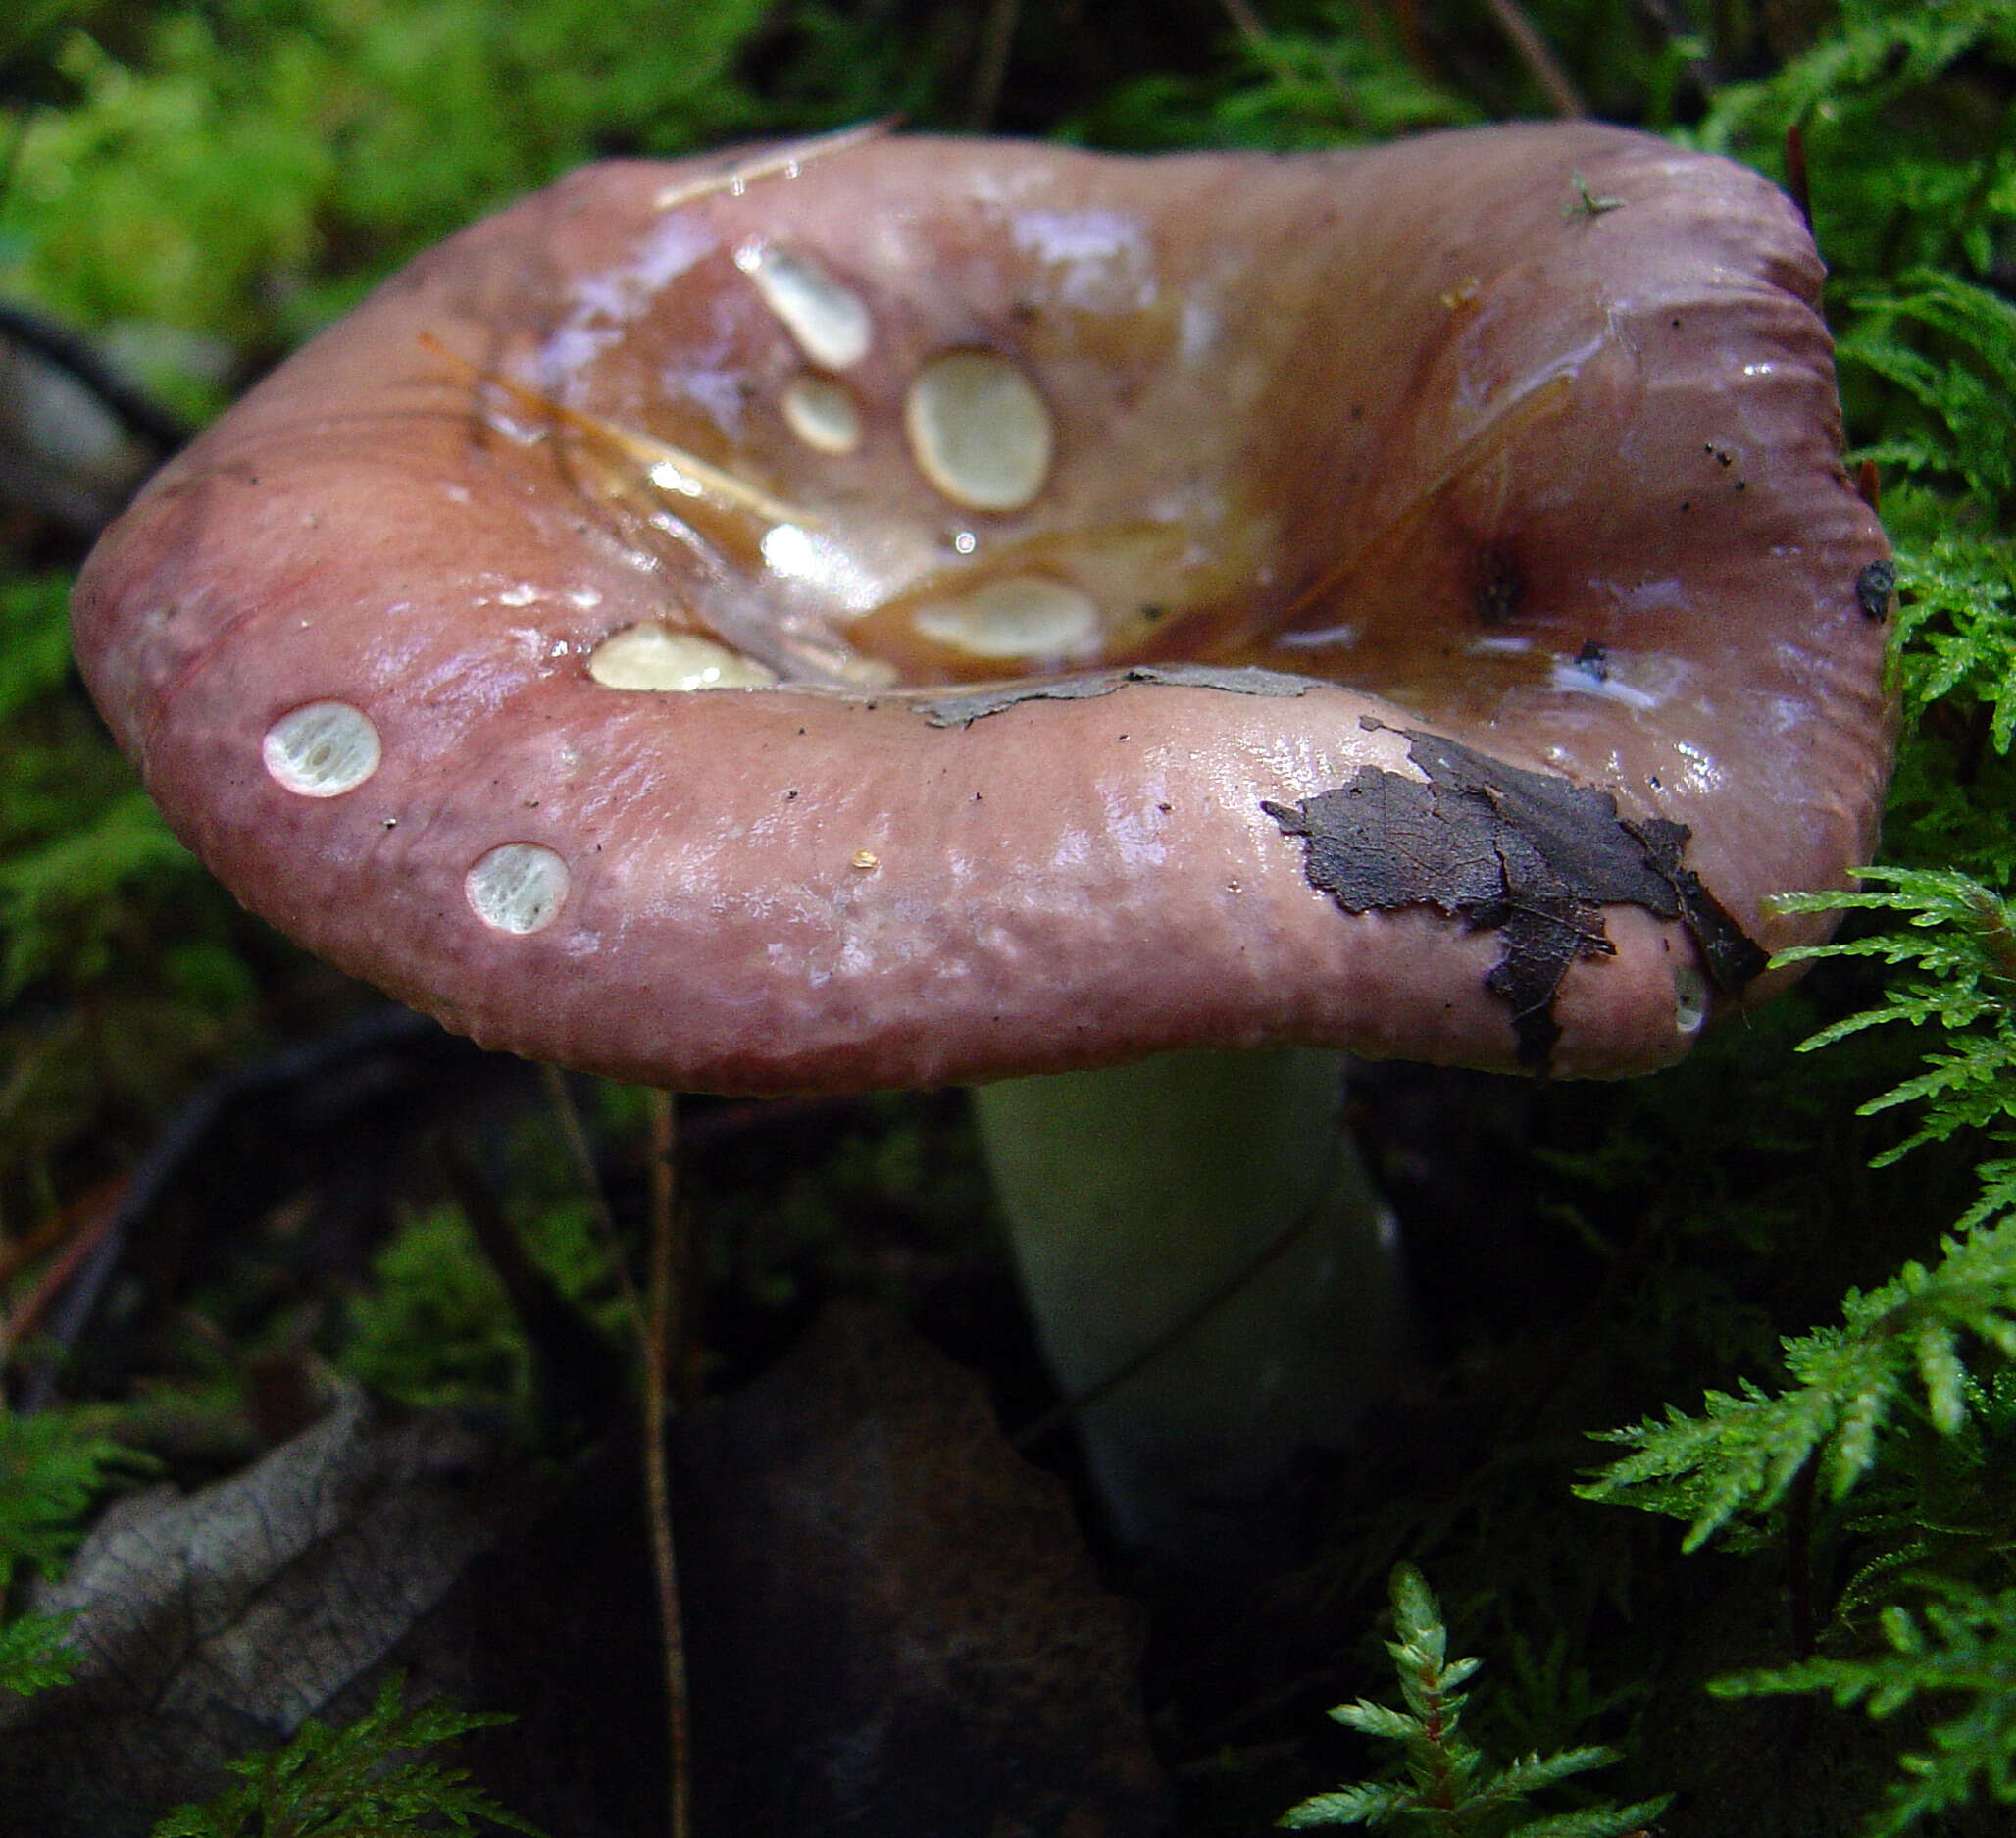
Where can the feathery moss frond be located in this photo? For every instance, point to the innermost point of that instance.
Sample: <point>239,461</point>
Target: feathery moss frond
<point>1957,947</point>
<point>1948,347</point>
<point>50,1474</point>
<point>1955,636</point>
<point>359,1781</point>
<point>1451,1788</point>
<point>1960,1644</point>
<point>33,1654</point>
<point>1740,1457</point>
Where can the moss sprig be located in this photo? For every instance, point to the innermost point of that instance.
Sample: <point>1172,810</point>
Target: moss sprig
<point>359,1780</point>
<point>1447,1786</point>
<point>1958,1641</point>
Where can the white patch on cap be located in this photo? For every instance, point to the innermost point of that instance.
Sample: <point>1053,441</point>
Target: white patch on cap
<point>980,430</point>
<point>1689,1000</point>
<point>321,749</point>
<point>1574,679</point>
<point>822,414</point>
<point>829,319</point>
<point>519,886</point>
<point>651,656</point>
<point>1019,616</point>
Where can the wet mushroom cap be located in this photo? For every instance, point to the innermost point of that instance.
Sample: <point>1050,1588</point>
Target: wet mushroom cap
<point>941,609</point>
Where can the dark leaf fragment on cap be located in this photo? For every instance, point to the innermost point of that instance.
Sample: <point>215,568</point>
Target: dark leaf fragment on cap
<point>1528,854</point>
<point>1874,587</point>
<point>962,711</point>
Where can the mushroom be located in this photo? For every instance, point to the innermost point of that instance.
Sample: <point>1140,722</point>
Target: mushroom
<point>891,612</point>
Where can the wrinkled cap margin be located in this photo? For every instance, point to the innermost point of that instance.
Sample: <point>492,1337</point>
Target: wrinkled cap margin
<point>935,610</point>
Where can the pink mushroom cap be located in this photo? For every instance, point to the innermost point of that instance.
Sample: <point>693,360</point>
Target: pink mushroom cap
<point>925,610</point>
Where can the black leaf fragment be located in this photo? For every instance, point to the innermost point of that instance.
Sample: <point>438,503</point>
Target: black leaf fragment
<point>1528,854</point>
<point>962,711</point>
<point>1874,587</point>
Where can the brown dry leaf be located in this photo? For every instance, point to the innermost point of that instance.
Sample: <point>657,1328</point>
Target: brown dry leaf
<point>216,1622</point>
<point>895,1627</point>
<point>892,1624</point>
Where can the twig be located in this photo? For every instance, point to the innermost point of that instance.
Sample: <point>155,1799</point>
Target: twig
<point>1252,26</point>
<point>653,1314</point>
<point>92,1218</point>
<point>990,69</point>
<point>79,1216</point>
<point>1799,1558</point>
<point>580,1380</point>
<point>1539,58</point>
<point>1869,485</point>
<point>1673,20</point>
<point>724,1122</point>
<point>1260,42</point>
<point>1796,182</point>
<point>57,346</point>
<point>785,161</point>
<point>377,1031</point>
<point>1065,1410</point>
<point>1414,40</point>
<point>573,1133</point>
<point>660,1304</point>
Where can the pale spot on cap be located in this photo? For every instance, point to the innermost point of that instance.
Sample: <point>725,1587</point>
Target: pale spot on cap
<point>822,413</point>
<point>652,657</point>
<point>1021,616</point>
<point>517,887</point>
<point>1689,1000</point>
<point>321,749</point>
<point>980,430</point>
<point>829,319</point>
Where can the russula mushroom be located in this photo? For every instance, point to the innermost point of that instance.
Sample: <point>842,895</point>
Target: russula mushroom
<point>901,611</point>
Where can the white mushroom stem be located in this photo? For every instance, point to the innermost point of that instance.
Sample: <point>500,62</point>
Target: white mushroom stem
<point>1137,1198</point>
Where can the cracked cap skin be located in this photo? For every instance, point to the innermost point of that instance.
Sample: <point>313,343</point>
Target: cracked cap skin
<point>855,616</point>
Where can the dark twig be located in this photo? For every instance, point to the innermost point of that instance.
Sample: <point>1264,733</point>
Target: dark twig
<point>579,1378</point>
<point>1796,179</point>
<point>1869,485</point>
<point>186,1136</point>
<point>57,346</point>
<point>80,1217</point>
<point>1672,20</point>
<point>991,69</point>
<point>662,1308</point>
<point>574,1133</point>
<point>1066,1410</point>
<point>1252,28</point>
<point>1798,1559</point>
<point>89,1223</point>
<point>1539,57</point>
<point>1413,39</point>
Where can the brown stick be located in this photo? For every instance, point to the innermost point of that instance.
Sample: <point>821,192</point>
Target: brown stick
<point>990,69</point>
<point>1796,182</point>
<point>1252,26</point>
<point>573,1133</point>
<point>659,1305</point>
<point>81,1215</point>
<point>1539,57</point>
<point>88,1220</point>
